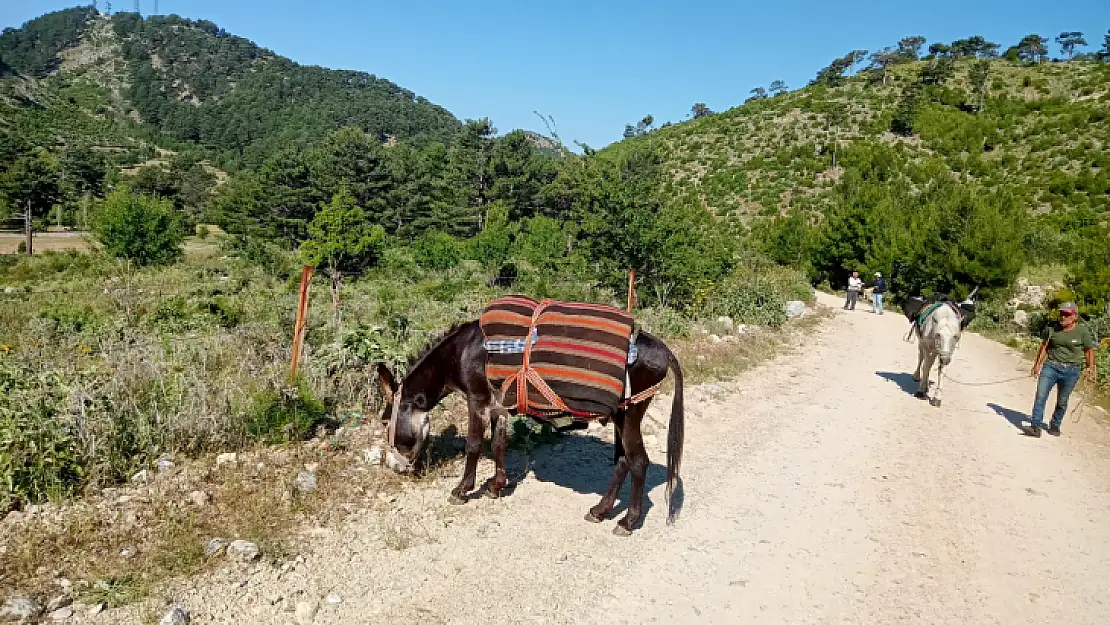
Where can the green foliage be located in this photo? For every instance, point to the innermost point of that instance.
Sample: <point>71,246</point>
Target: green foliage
<point>252,101</point>
<point>942,237</point>
<point>142,229</point>
<point>268,256</point>
<point>40,451</point>
<point>493,245</point>
<point>33,49</point>
<point>279,415</point>
<point>32,181</point>
<point>341,238</point>
<point>543,242</point>
<point>1089,278</point>
<point>437,250</point>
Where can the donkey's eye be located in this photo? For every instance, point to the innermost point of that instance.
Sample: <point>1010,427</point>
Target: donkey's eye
<point>420,401</point>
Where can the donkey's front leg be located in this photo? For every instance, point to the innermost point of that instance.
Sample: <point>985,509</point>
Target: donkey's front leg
<point>940,382</point>
<point>926,370</point>
<point>620,471</point>
<point>637,466</point>
<point>499,437</point>
<point>477,412</point>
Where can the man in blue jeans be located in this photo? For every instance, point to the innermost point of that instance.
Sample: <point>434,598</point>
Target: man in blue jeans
<point>1059,364</point>
<point>878,288</point>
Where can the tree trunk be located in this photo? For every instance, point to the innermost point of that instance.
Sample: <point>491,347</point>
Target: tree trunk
<point>336,284</point>
<point>28,229</point>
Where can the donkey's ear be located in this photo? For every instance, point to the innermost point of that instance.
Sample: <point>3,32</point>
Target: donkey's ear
<point>389,385</point>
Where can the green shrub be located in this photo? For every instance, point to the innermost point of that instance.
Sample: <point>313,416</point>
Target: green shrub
<point>67,318</point>
<point>270,257</point>
<point>40,452</point>
<point>664,323</point>
<point>750,300</point>
<point>436,250</point>
<point>142,229</point>
<point>285,414</point>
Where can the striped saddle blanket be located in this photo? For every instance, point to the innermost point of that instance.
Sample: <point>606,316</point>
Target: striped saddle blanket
<point>569,358</point>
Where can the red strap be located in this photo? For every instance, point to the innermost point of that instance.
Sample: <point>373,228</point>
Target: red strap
<point>528,374</point>
<point>641,396</point>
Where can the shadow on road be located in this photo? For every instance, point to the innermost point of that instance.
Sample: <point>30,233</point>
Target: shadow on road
<point>1013,416</point>
<point>584,464</point>
<point>904,380</point>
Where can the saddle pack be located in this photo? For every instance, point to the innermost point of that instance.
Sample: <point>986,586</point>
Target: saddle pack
<point>551,357</point>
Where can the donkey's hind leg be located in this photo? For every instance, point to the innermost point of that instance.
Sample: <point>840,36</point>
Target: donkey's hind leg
<point>920,359</point>
<point>637,465</point>
<point>620,471</point>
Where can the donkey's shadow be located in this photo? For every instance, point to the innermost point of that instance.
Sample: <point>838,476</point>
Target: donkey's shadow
<point>904,381</point>
<point>584,464</point>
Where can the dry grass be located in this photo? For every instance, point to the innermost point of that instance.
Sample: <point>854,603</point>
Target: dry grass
<point>47,242</point>
<point>704,360</point>
<point>195,247</point>
<point>117,546</point>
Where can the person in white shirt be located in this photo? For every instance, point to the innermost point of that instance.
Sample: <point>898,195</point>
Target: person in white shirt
<point>854,286</point>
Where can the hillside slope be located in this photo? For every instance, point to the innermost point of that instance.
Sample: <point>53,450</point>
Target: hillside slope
<point>166,79</point>
<point>1042,133</point>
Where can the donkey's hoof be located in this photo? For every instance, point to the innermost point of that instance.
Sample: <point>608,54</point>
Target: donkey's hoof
<point>936,403</point>
<point>622,531</point>
<point>457,500</point>
<point>591,518</point>
<point>919,395</point>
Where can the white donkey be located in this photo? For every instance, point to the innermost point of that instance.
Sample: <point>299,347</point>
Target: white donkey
<point>938,335</point>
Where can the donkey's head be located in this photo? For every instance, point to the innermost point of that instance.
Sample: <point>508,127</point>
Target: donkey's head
<point>407,422</point>
<point>946,333</point>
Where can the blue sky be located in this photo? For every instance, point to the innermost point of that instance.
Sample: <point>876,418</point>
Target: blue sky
<point>597,65</point>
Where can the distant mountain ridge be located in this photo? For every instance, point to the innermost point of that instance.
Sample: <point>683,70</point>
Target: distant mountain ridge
<point>191,81</point>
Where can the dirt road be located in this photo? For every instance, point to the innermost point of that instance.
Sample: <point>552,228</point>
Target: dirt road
<point>817,490</point>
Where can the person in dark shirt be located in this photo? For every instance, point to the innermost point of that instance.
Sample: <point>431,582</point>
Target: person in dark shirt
<point>878,288</point>
<point>1059,365</point>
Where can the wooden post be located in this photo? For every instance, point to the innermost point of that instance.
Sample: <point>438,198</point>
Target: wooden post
<point>302,318</point>
<point>631,289</point>
<point>28,227</point>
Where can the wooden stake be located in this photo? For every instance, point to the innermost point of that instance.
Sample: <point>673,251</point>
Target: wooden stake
<point>28,229</point>
<point>302,318</point>
<point>631,289</point>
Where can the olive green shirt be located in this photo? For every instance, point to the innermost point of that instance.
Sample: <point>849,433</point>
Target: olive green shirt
<point>1067,347</point>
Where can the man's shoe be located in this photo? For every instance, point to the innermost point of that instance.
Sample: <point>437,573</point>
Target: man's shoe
<point>1031,430</point>
<point>1053,430</point>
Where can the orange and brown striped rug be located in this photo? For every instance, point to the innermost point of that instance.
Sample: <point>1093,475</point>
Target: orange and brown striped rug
<point>579,350</point>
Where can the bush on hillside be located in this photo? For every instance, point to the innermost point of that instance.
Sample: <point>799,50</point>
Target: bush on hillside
<point>142,229</point>
<point>437,250</point>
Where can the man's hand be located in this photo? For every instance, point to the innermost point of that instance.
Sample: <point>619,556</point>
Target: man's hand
<point>1035,371</point>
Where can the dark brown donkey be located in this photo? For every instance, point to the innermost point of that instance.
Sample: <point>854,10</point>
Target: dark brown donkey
<point>458,363</point>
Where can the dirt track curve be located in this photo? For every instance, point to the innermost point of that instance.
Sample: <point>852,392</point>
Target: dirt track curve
<point>817,490</point>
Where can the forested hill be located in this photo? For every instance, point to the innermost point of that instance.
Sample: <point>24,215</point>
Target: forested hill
<point>193,82</point>
<point>951,164</point>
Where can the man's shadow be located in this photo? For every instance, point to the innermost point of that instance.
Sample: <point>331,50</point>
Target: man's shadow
<point>1013,416</point>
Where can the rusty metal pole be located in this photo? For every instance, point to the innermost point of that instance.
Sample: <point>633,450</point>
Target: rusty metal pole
<point>302,319</point>
<point>631,289</point>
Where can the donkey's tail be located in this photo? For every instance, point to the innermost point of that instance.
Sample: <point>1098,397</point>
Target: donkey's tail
<point>675,434</point>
